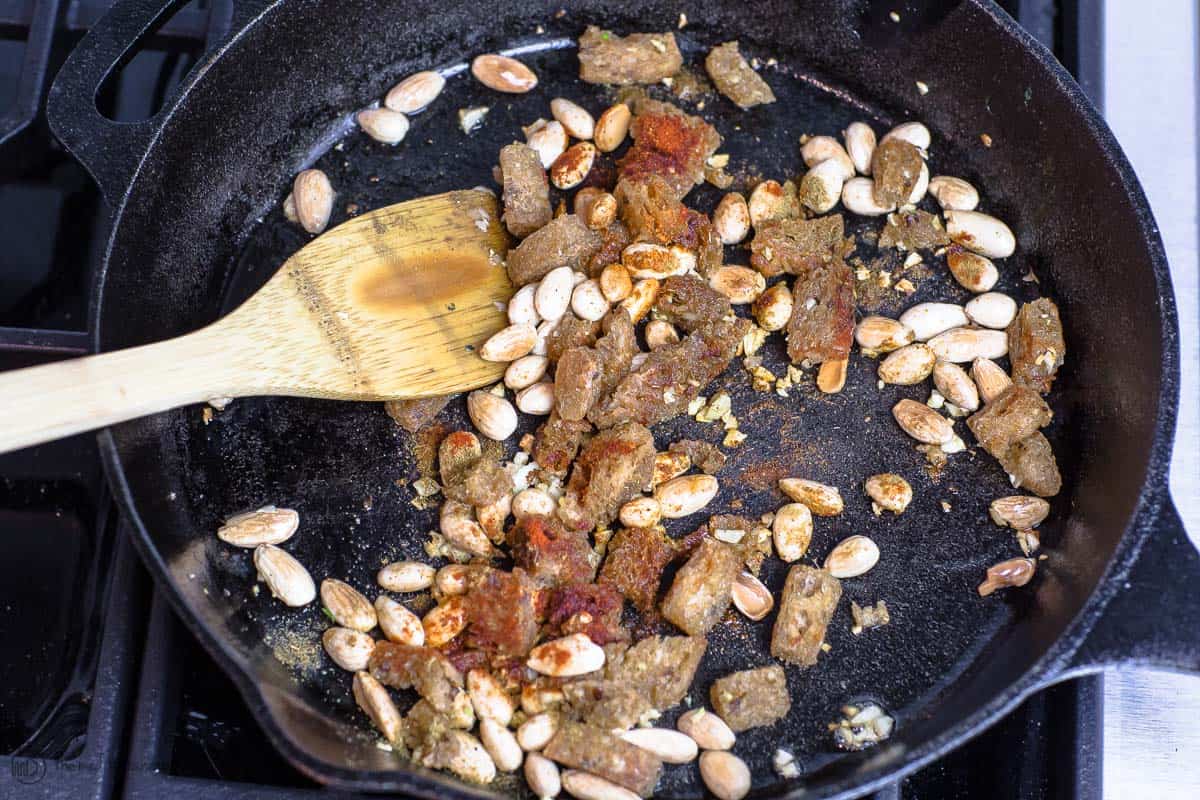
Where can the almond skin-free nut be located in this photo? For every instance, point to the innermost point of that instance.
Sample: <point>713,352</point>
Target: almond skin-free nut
<point>725,775</point>
<point>569,169</point>
<point>831,377</point>
<point>641,298</point>
<point>981,233</point>
<point>567,657</point>
<point>542,776</point>
<point>860,146</point>
<point>851,557</point>
<point>927,320</point>
<point>466,757</point>
<point>792,531</point>
<point>821,186</point>
<point>773,308</point>
<point>312,194</point>
<point>602,212</point>
<point>915,133</point>
<point>525,371</point>
<point>383,124</point>
<point>685,495</point>
<point>611,127</point>
<point>889,491</point>
<point>533,733</point>
<point>349,649</point>
<point>876,335</point>
<point>373,698</point>
<point>922,423</point>
<point>731,218</point>
<point>415,92</point>
<point>907,366</point>
<point>992,310</point>
<point>766,202</point>
<point>286,577</point>
<point>953,194</point>
<point>533,501</point>
<point>503,74</point>
<point>821,499</point>
<point>548,139</point>
<point>641,512</point>
<point>819,149</point>
<point>267,525</point>
<point>574,118</point>
<point>585,786</point>
<point>588,301</point>
<point>650,260</point>
<point>708,730</point>
<point>521,308</point>
<point>740,284</point>
<point>457,523</point>
<point>671,747</point>
<point>398,623</point>
<point>348,607</point>
<point>406,576</point>
<point>501,745</point>
<point>493,416</point>
<point>509,344</point>
<point>660,333</point>
<point>858,196</point>
<point>967,344</point>
<point>488,697</point>
<point>536,400</point>
<point>553,295</point>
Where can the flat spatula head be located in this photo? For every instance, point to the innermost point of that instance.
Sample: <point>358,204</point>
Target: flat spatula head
<point>392,304</point>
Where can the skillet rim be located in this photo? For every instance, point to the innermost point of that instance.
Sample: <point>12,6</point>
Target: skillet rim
<point>1054,665</point>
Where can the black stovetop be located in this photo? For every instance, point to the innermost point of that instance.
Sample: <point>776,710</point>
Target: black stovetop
<point>102,692</point>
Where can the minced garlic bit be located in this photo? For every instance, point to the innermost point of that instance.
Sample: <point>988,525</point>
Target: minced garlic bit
<point>875,616</point>
<point>987,140</point>
<point>716,408</point>
<point>471,118</point>
<point>945,506</point>
<point>861,726</point>
<point>426,487</point>
<point>922,87</point>
<point>785,764</point>
<point>696,404</point>
<point>683,20</point>
<point>753,340</point>
<point>905,285</point>
<point>733,438</point>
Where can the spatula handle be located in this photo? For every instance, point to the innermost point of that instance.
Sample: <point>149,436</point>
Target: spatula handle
<point>39,404</point>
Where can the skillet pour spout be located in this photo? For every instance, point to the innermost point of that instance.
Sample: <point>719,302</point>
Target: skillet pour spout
<point>195,194</point>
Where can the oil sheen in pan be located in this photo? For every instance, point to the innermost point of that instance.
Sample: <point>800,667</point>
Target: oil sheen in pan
<point>931,558</point>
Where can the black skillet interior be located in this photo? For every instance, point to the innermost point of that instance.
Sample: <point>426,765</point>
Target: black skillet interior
<point>201,229</point>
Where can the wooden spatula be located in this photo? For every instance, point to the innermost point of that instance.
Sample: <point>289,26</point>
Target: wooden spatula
<point>389,305</point>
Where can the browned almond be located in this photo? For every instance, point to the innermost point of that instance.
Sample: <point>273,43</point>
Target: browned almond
<point>907,366</point>
<point>740,284</point>
<point>567,657</point>
<point>669,465</point>
<point>990,378</point>
<point>877,335</point>
<point>348,607</point>
<point>373,698</point>
<point>922,423</point>
<point>445,621</point>
<point>1019,511</point>
<point>710,731</point>
<point>641,298</point>
<point>685,495</point>
<point>725,775</point>
<point>611,127</point>
<point>488,697</point>
<point>889,491</point>
<point>503,74</point>
<point>406,576</point>
<point>569,169</point>
<point>615,283</point>
<point>853,556</point>
<point>831,377</point>
<point>751,597</point>
<point>773,308</point>
<point>792,531</point>
<point>398,623</point>
<point>821,499</point>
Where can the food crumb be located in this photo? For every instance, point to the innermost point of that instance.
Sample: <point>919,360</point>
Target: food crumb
<point>922,87</point>
<point>683,20</point>
<point>471,118</point>
<point>894,16</point>
<point>868,617</point>
<point>987,140</point>
<point>785,764</point>
<point>945,506</point>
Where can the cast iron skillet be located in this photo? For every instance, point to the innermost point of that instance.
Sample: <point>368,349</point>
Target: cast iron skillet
<point>195,193</point>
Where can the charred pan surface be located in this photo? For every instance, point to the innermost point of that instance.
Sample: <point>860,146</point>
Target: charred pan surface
<point>806,605</point>
<point>751,698</point>
<point>605,57</point>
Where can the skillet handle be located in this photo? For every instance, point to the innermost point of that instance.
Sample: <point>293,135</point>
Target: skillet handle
<point>1151,620</point>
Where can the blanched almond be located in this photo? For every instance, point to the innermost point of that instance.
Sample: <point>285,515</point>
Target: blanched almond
<point>972,271</point>
<point>349,649</point>
<point>915,133</point>
<point>685,495</point>
<point>312,194</point>
<point>927,320</point>
<point>488,697</point>
<point>494,516</point>
<point>458,525</point>
<point>466,757</point>
<point>602,212</point>
<point>922,423</point>
<point>567,657</point>
<point>665,744</point>
<point>286,577</point>
<point>831,377</point>
<point>398,623</point>
<point>956,385</point>
<point>585,786</point>
<point>493,416</point>
<point>877,335</point>
<point>641,512</point>
<point>909,365</point>
<point>615,283</point>
<point>548,139</point>
<point>1019,511</point>
<point>860,146</point>
<point>751,597</point>
<point>544,330</point>
<point>821,186</point>
<point>533,501</point>
<point>347,605</point>
<point>707,729</point>
<point>569,169</point>
<point>373,698</point>
<point>766,202</point>
<point>981,233</point>
<point>740,284</point>
<point>992,310</point>
<point>383,124</point>
<point>503,74</point>
<point>731,218</point>
<point>773,308</point>
<point>574,117</point>
<point>660,333</point>
<point>851,557</point>
<point>920,187</point>
<point>521,308</point>
<point>889,491</point>
<point>289,209</point>
<point>445,621</point>
<point>641,298</point>
<point>821,499</point>
<point>611,127</point>
<point>990,379</point>
<point>649,260</point>
<point>542,776</point>
<point>588,301</point>
<point>406,576</point>
<point>509,344</point>
<point>501,745</point>
<point>819,149</point>
<point>858,196</point>
<point>725,775</point>
<point>553,295</point>
<point>792,531</point>
<point>415,92</point>
<point>967,344</point>
<point>267,525</point>
<point>537,400</point>
<point>953,194</point>
<point>669,465</point>
<point>535,732</point>
<point>1014,572</point>
<point>455,579</point>
<point>525,371</point>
